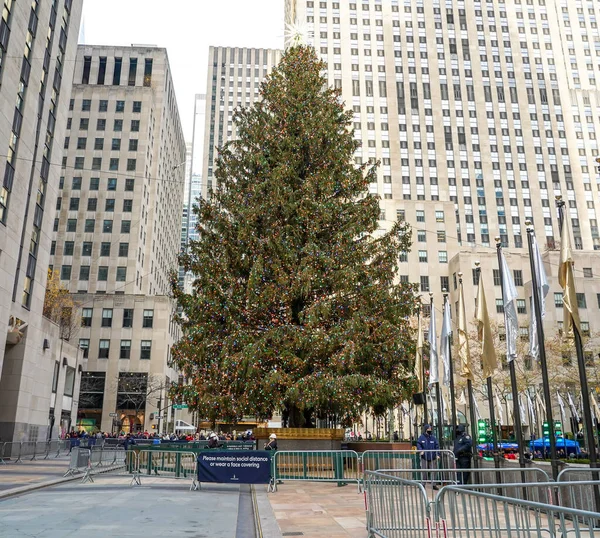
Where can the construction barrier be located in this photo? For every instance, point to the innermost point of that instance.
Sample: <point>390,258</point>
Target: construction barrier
<point>341,466</point>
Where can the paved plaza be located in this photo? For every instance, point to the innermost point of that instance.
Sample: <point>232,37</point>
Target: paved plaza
<point>166,507</point>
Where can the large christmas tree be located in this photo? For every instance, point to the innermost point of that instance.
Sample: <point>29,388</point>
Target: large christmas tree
<point>295,306</point>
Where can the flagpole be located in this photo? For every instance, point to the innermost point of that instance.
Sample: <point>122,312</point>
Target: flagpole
<point>535,287</point>
<point>470,391</point>
<point>490,393</point>
<point>589,430</point>
<point>419,313</point>
<point>438,393</point>
<point>452,396</point>
<point>511,365</point>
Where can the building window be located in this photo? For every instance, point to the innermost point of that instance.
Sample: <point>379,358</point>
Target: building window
<point>92,204</point>
<point>84,272</point>
<point>137,107</point>
<point>107,226</point>
<point>441,236</point>
<point>125,349</point>
<point>112,184</point>
<point>132,71</point>
<point>499,306</point>
<point>86,248</point>
<point>125,226</point>
<point>65,272</point>
<point>444,284</point>
<point>120,106</point>
<point>133,144</point>
<point>128,317</point>
<point>123,250</point>
<point>581,302</point>
<point>127,206</point>
<point>69,381</point>
<point>84,344</point>
<point>148,72</point>
<point>113,164</point>
<point>587,272</point>
<point>585,328</point>
<point>420,216</point>
<point>117,71</point>
<point>115,145</point>
<point>103,349</point>
<point>129,183</point>
<point>103,105</point>
<point>94,183</point>
<point>109,205</point>
<point>524,333</point>
<point>439,216</point>
<point>443,256</point>
<point>422,256</point>
<point>68,248</point>
<point>558,300</point>
<point>107,315</point>
<point>135,126</point>
<point>521,306</point>
<point>148,320</point>
<point>102,273</point>
<point>131,164</point>
<point>424,283</point>
<point>121,274</point>
<point>86,317</point>
<point>118,125</point>
<point>55,376</point>
<point>496,273</point>
<point>146,349</point>
<point>421,236</point>
<point>518,275</point>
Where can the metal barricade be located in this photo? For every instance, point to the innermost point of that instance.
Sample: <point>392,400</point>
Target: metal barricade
<point>374,460</point>
<point>500,481</point>
<point>79,461</point>
<point>27,450</point>
<point>167,464</point>
<point>341,466</point>
<point>396,507</point>
<point>464,512</point>
<point>579,488</point>
<point>52,448</point>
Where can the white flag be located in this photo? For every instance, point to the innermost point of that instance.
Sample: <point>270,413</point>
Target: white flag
<point>511,322</point>
<point>445,343</point>
<point>431,407</point>
<point>477,413</point>
<point>500,414</point>
<point>522,411</point>
<point>434,375</point>
<point>572,407</point>
<point>595,408</point>
<point>543,286</point>
<point>540,403</point>
<point>561,404</point>
<point>462,400</point>
<point>531,410</point>
<point>446,409</point>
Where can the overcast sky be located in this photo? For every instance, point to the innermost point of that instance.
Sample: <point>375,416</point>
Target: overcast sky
<point>186,28</point>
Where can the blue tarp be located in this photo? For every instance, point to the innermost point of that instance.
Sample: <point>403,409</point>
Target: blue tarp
<point>567,445</point>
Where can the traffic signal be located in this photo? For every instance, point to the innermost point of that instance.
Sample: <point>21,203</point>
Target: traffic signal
<point>545,429</point>
<point>482,431</point>
<point>558,431</point>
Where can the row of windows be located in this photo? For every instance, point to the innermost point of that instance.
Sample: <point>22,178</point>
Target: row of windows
<point>113,164</point>
<point>111,184</point>
<point>84,273</point>
<point>118,65</point>
<point>107,317</point>
<point>87,248</point>
<point>84,124</point>
<point>89,226</point>
<point>124,351</point>
<point>92,204</point>
<point>115,143</point>
<point>581,300</point>
<point>86,105</point>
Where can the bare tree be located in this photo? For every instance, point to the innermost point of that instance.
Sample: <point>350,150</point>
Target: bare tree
<point>59,306</point>
<point>136,390</point>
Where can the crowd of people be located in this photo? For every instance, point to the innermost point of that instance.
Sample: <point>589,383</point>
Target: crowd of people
<point>202,435</point>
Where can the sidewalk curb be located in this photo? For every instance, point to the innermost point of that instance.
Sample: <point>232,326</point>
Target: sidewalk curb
<point>8,493</point>
<point>265,517</point>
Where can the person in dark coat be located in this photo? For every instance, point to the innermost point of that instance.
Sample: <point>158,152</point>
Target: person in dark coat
<point>213,441</point>
<point>129,441</point>
<point>463,451</point>
<point>272,444</point>
<point>428,448</point>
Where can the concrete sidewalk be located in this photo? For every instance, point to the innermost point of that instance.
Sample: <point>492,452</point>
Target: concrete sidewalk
<point>27,473</point>
<point>317,510</point>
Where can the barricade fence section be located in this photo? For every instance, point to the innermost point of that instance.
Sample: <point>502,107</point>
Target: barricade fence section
<point>396,507</point>
<point>79,461</point>
<point>373,460</point>
<point>341,466</point>
<point>167,464</point>
<point>465,512</point>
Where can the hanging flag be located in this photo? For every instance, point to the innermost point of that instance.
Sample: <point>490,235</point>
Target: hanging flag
<point>531,410</point>
<point>561,404</point>
<point>488,352</point>
<point>445,342</point>
<point>500,414</point>
<point>419,357</point>
<point>595,408</point>
<point>463,399</point>
<point>464,355</point>
<point>567,282</point>
<point>540,402</point>
<point>446,409</point>
<point>522,411</point>
<point>572,408</point>
<point>431,408</point>
<point>434,375</point>
<point>405,411</point>
<point>477,413</point>
<point>543,286</point>
<point>511,321</point>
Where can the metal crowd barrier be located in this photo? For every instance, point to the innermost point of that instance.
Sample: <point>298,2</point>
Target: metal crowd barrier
<point>396,507</point>
<point>341,466</point>
<point>465,512</point>
<point>166,464</point>
<point>79,461</point>
<point>373,460</point>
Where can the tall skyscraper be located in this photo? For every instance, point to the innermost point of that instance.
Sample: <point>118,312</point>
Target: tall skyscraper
<point>234,77</point>
<point>117,230</point>
<point>37,47</point>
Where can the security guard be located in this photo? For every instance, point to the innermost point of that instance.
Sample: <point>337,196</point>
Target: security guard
<point>463,451</point>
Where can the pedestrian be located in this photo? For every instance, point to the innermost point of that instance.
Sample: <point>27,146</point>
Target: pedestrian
<point>272,444</point>
<point>213,441</point>
<point>463,452</point>
<point>428,447</point>
<point>129,441</point>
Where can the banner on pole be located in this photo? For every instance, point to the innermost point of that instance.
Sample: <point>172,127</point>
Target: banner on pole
<point>235,467</point>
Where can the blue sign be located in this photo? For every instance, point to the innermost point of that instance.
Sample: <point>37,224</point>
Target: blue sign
<point>234,467</point>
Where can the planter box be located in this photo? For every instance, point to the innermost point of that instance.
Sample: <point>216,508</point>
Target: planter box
<point>363,446</point>
<point>302,438</point>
